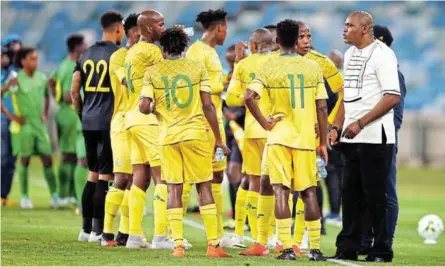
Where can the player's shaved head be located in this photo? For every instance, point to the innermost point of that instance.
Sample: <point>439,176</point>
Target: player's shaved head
<point>151,24</point>
<point>364,17</point>
<point>261,36</point>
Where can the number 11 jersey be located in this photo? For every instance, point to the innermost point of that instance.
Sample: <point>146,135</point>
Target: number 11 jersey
<point>175,86</point>
<point>293,84</point>
<point>98,102</point>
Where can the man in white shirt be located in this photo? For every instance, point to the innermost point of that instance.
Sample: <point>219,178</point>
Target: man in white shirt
<point>371,91</point>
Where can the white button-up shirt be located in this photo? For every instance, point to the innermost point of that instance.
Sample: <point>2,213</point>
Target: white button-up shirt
<point>369,73</point>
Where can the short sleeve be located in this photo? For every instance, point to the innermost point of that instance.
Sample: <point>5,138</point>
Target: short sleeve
<point>235,85</point>
<point>204,81</point>
<point>258,84</point>
<point>320,92</point>
<point>386,71</point>
<point>155,56</point>
<point>147,87</point>
<point>333,76</point>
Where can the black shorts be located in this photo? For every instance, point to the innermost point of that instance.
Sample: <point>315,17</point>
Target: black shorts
<point>98,150</point>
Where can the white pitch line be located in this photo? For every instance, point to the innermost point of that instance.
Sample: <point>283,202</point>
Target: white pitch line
<point>201,227</point>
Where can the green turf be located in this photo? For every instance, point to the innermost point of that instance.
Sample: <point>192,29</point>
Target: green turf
<point>48,237</point>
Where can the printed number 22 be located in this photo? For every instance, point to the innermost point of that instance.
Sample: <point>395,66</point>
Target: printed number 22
<point>292,89</point>
<point>100,68</point>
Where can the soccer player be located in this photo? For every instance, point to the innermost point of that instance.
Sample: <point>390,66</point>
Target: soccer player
<point>96,110</point>
<point>181,89</point>
<point>66,117</point>
<point>254,136</point>
<point>215,26</point>
<point>117,195</point>
<point>29,133</point>
<point>291,138</point>
<point>334,81</point>
<point>273,30</point>
<point>144,136</point>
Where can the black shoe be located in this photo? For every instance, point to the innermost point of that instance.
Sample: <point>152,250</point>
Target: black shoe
<point>377,259</point>
<point>288,254</point>
<point>121,239</point>
<point>107,237</point>
<point>323,230</point>
<point>344,256</point>
<point>316,255</point>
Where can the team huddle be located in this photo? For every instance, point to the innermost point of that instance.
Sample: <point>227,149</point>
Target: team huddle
<point>156,112</point>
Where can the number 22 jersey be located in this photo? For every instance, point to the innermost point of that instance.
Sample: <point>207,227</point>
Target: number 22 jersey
<point>98,102</point>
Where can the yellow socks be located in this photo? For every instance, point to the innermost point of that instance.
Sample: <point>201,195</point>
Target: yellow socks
<point>123,225</point>
<point>240,211</point>
<point>218,197</point>
<point>186,189</point>
<point>284,233</point>
<point>208,215</point>
<point>175,221</point>
<point>272,220</point>
<point>299,226</point>
<point>265,214</point>
<point>136,203</point>
<point>252,212</point>
<point>160,210</point>
<point>313,229</point>
<point>112,202</point>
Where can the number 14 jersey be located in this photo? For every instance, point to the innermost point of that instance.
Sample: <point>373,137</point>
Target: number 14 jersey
<point>175,86</point>
<point>293,84</point>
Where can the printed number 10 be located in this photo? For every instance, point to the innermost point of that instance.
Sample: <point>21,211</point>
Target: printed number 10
<point>292,89</point>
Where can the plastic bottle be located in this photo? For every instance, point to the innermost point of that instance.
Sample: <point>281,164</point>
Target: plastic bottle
<point>321,168</point>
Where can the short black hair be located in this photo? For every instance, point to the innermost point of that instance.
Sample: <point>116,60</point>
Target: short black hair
<point>73,41</point>
<point>271,27</point>
<point>174,40</point>
<point>287,32</point>
<point>231,48</point>
<point>383,34</point>
<point>109,18</point>
<point>21,54</point>
<point>130,22</point>
<point>211,17</point>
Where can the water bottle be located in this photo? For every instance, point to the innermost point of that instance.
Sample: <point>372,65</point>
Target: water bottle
<point>13,75</point>
<point>321,168</point>
<point>219,154</point>
<point>189,31</point>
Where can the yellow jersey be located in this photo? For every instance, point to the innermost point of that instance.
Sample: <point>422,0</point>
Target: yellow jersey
<point>175,86</point>
<point>117,74</point>
<point>293,84</point>
<point>244,73</point>
<point>139,58</point>
<point>332,76</point>
<point>199,51</point>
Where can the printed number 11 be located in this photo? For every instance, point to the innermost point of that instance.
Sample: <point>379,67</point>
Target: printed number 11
<point>292,89</point>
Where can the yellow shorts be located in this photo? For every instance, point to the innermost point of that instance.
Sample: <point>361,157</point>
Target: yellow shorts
<point>292,167</point>
<point>145,145</point>
<point>264,166</point>
<point>252,154</point>
<point>187,162</point>
<point>217,165</point>
<point>121,146</point>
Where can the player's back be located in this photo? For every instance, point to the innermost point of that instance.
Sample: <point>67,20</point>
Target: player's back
<point>245,72</point>
<point>139,58</point>
<point>98,101</point>
<point>175,85</point>
<point>208,56</point>
<point>117,74</point>
<point>293,84</point>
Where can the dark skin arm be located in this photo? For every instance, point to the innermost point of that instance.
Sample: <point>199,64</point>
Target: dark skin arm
<point>52,86</point>
<point>388,102</point>
<point>75,92</point>
<point>338,123</point>
<point>322,119</point>
<point>249,100</point>
<point>210,113</point>
<point>45,109</point>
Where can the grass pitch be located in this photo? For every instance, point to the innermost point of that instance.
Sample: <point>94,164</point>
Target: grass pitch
<point>49,237</point>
